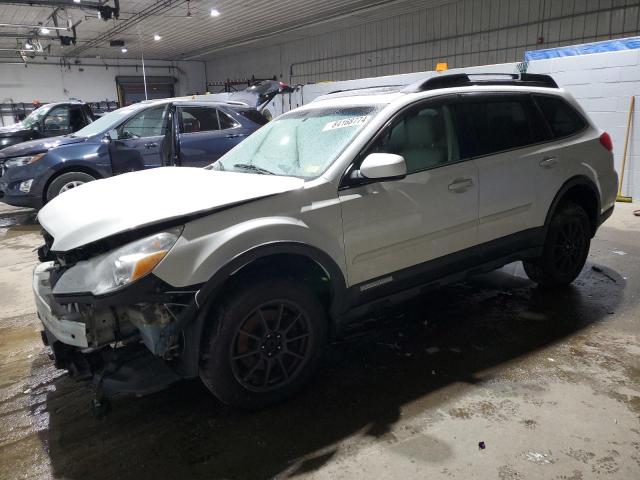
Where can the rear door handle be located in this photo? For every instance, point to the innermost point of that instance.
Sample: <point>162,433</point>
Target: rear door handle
<point>150,145</point>
<point>548,162</point>
<point>460,185</point>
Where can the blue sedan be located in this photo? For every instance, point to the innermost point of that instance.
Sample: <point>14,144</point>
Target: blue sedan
<point>140,136</point>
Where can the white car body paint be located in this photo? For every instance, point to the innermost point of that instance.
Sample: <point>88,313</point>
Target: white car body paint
<point>368,231</point>
<point>103,208</point>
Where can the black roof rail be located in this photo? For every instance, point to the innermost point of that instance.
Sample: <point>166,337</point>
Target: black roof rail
<point>470,79</point>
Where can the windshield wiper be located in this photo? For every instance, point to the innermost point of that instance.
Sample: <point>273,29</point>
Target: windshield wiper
<point>253,168</point>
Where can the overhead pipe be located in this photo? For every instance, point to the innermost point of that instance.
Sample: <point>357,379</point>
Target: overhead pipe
<point>108,65</point>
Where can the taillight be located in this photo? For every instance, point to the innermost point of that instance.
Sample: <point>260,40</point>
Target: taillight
<point>605,141</point>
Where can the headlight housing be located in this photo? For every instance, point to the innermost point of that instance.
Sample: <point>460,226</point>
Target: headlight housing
<point>21,161</point>
<point>113,270</point>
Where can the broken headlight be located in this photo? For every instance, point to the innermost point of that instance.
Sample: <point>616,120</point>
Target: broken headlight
<point>118,268</point>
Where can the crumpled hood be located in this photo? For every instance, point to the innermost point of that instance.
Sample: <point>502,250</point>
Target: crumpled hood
<point>40,145</point>
<point>103,208</point>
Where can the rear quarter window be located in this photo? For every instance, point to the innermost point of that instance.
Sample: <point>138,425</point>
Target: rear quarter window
<point>255,116</point>
<point>562,118</point>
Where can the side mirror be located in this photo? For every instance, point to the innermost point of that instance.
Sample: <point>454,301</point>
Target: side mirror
<point>110,136</point>
<point>383,166</point>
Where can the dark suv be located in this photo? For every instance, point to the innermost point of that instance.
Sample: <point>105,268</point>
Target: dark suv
<point>141,136</point>
<point>49,120</point>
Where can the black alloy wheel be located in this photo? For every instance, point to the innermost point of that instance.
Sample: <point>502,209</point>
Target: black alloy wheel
<point>565,248</point>
<point>264,341</point>
<point>271,346</point>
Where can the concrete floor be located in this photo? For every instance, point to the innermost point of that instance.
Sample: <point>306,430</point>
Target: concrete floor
<point>549,381</point>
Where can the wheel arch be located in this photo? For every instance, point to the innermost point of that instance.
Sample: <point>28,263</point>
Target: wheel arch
<point>69,169</point>
<point>280,254</point>
<point>582,191</point>
<point>291,258</point>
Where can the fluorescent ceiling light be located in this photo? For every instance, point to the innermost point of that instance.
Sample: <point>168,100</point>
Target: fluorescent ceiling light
<point>215,12</point>
<point>124,50</point>
<point>44,31</point>
<point>76,1</point>
<point>28,45</point>
<point>157,37</point>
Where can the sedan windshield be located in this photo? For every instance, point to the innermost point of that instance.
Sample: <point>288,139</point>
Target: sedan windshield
<point>300,144</point>
<point>108,121</point>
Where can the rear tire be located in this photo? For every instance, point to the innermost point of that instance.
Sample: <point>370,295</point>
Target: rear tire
<point>265,345</point>
<point>565,248</point>
<point>67,181</point>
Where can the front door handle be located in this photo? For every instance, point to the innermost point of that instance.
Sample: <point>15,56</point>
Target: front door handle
<point>460,185</point>
<point>150,145</point>
<point>235,135</point>
<point>548,162</point>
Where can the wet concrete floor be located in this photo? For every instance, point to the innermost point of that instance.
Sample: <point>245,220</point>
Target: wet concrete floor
<point>548,380</point>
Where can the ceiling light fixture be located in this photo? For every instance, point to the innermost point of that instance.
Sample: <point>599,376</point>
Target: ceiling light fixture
<point>28,45</point>
<point>77,1</point>
<point>157,37</point>
<point>45,31</point>
<point>215,12</point>
<point>124,50</point>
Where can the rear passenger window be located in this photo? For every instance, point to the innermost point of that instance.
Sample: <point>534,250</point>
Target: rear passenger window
<point>493,125</point>
<point>198,119</point>
<point>562,117</point>
<point>424,137</point>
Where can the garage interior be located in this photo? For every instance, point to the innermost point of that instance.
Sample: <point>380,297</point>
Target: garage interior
<point>492,377</point>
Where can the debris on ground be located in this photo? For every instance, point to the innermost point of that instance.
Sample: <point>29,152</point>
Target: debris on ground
<point>539,458</point>
<point>481,445</point>
<point>432,350</point>
<point>618,252</point>
<point>455,350</point>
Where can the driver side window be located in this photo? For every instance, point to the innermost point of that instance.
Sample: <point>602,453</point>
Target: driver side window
<point>147,123</point>
<point>57,120</point>
<point>424,136</point>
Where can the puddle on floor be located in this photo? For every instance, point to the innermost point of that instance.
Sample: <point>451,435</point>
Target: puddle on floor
<point>17,225</point>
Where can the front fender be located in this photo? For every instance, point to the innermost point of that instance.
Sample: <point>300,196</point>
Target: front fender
<point>196,259</point>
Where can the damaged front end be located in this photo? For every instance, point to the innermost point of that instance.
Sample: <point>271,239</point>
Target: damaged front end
<point>106,317</point>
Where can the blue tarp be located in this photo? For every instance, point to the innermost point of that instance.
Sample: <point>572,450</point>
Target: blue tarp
<point>584,49</point>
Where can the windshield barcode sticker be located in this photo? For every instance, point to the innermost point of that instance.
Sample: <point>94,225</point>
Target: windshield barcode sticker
<point>346,122</point>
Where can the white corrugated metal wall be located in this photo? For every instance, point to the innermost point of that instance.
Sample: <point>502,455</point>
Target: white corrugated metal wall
<point>461,33</point>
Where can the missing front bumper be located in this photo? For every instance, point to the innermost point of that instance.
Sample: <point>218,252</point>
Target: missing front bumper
<point>64,326</point>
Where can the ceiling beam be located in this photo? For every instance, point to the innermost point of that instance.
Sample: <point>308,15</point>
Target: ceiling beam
<point>58,3</point>
<point>30,27</point>
<point>15,35</point>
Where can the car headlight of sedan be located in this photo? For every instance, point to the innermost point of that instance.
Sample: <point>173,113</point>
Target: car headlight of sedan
<point>113,270</point>
<point>21,161</point>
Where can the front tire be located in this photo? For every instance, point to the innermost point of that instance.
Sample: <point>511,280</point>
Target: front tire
<point>65,182</point>
<point>265,345</point>
<point>565,248</point>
